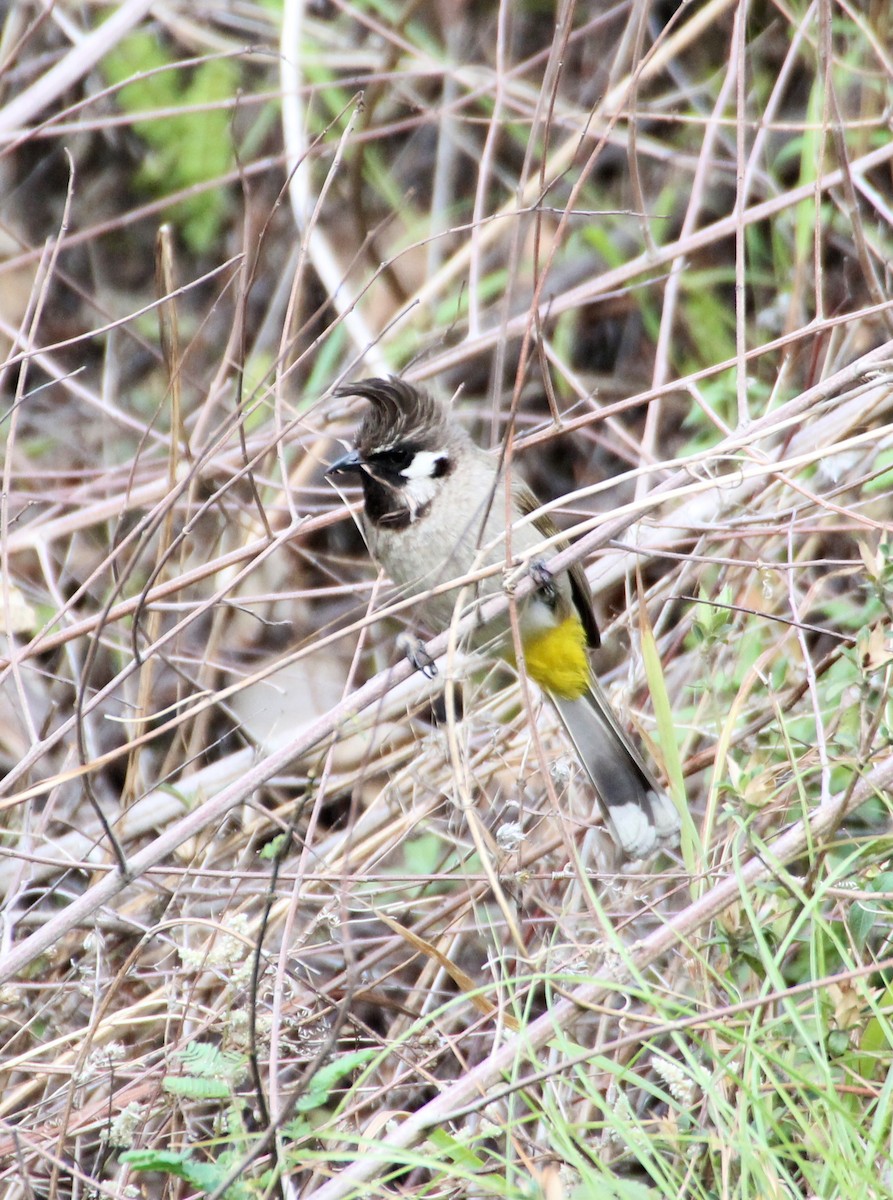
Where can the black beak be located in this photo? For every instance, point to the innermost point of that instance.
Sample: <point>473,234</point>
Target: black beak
<point>348,464</point>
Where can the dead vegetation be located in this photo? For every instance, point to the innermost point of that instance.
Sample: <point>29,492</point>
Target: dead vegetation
<point>277,917</point>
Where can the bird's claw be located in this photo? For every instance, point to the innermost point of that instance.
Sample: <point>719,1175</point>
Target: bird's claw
<point>414,649</point>
<point>543,579</point>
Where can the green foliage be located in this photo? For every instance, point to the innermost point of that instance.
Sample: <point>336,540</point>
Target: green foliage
<point>876,1042</point>
<point>865,915</point>
<point>183,148</point>
<point>273,848</point>
<point>208,1061</point>
<point>710,314</point>
<point>197,1089</point>
<point>879,568</point>
<point>606,1187</point>
<point>423,855</point>
<point>711,622</point>
<point>882,483</point>
<point>213,1075</point>
<point>206,1176</point>
<point>602,235</point>
<point>455,1150</point>
<point>328,1078</point>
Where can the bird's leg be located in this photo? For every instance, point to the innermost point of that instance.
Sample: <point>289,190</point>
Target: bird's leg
<point>414,649</point>
<point>544,580</point>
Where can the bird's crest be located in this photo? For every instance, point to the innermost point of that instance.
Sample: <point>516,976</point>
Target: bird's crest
<point>399,412</point>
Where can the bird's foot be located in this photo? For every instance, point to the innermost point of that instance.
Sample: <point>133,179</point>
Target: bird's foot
<point>544,580</point>
<point>414,649</point>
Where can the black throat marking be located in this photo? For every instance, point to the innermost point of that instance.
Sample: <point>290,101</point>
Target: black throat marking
<point>387,506</point>
<point>400,483</point>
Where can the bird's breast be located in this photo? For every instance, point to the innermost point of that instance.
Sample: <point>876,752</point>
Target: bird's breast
<point>457,536</point>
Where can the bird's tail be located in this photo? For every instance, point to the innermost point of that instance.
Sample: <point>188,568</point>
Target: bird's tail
<point>641,815</point>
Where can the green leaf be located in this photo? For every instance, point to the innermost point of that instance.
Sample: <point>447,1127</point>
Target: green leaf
<point>322,1083</point>
<point>207,1176</point>
<point>864,914</point>
<point>178,1163</point>
<point>884,481</point>
<point>838,1042</point>
<point>191,1088</point>
<point>877,1040</point>
<point>273,847</point>
<point>204,1059</point>
<point>461,1155</point>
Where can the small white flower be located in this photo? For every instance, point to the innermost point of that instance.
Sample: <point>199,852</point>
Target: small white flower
<point>680,1084</point>
<point>126,1124</point>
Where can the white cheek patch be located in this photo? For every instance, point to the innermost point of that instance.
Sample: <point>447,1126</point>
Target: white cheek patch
<point>424,465</point>
<point>422,477</point>
<point>419,492</point>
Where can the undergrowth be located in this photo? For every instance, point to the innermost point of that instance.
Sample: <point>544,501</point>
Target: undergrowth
<point>281,918</point>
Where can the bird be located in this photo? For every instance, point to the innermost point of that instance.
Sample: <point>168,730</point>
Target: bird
<point>434,510</point>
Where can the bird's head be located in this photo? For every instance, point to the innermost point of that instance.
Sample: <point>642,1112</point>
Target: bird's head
<point>405,447</point>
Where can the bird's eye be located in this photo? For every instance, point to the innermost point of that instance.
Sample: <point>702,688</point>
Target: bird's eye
<point>400,457</point>
<point>394,458</point>
<point>410,461</point>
